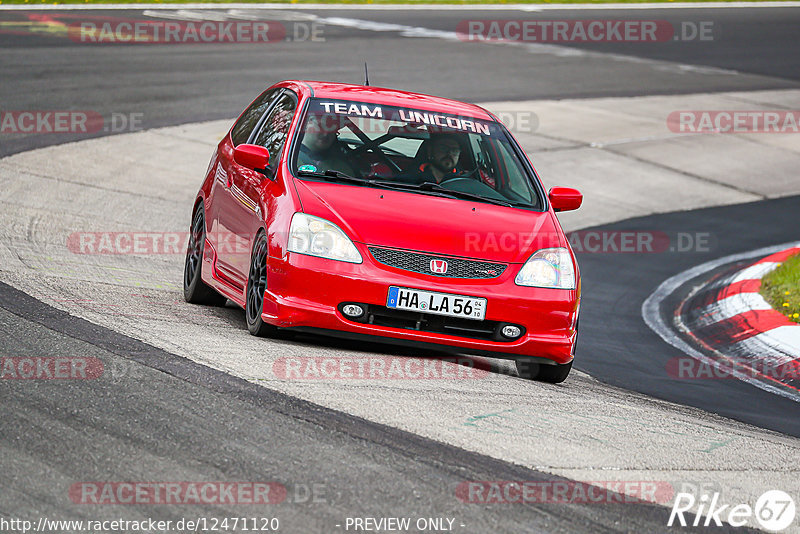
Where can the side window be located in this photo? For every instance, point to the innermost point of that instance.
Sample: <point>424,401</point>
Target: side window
<point>276,127</point>
<point>517,182</point>
<point>244,126</point>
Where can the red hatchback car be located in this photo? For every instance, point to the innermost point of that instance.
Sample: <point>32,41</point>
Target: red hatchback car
<point>378,214</point>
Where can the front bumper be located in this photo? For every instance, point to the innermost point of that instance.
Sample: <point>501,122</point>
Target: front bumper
<point>304,293</point>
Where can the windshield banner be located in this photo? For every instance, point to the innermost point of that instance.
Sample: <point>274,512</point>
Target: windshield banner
<point>415,119</point>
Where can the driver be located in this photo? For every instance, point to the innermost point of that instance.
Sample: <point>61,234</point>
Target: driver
<point>443,151</point>
<point>320,147</point>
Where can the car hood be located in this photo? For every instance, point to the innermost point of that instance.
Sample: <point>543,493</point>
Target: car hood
<point>427,223</point>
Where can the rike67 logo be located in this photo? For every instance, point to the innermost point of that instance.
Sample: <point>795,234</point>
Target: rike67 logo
<point>774,511</point>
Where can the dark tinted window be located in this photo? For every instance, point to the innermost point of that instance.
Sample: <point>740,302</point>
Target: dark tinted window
<point>249,119</point>
<point>276,127</point>
<point>413,147</point>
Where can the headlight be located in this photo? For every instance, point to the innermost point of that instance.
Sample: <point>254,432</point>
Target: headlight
<point>318,237</point>
<point>549,267</point>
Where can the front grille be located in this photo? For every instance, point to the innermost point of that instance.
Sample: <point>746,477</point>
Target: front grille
<point>421,263</point>
<point>426,322</point>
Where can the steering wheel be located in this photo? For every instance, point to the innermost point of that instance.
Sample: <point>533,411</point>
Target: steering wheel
<point>465,184</point>
<point>377,149</point>
<point>463,175</point>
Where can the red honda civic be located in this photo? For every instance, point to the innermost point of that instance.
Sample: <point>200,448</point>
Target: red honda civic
<point>378,214</point>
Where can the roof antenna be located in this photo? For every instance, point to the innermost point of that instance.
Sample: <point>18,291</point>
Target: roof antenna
<point>366,74</point>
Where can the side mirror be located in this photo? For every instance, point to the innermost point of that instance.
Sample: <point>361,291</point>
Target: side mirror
<point>253,157</point>
<point>565,198</point>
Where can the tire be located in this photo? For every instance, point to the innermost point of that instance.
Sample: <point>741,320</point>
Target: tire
<point>195,290</point>
<point>256,287</point>
<point>553,374</point>
<point>527,368</point>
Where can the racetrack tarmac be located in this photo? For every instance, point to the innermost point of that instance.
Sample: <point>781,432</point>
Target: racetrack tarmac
<point>189,395</point>
<point>165,84</point>
<point>152,417</point>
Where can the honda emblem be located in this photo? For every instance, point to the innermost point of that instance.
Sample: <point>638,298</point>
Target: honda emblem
<point>439,266</point>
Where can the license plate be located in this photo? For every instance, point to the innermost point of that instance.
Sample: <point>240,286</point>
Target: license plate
<point>403,298</point>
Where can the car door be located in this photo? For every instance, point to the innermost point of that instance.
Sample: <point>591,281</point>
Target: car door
<point>243,213</point>
<point>221,197</point>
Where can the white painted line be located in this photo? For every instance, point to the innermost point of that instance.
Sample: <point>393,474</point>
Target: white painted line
<point>754,272</point>
<point>187,14</point>
<point>239,11</point>
<point>274,14</point>
<point>533,48</point>
<point>407,7</point>
<point>651,313</point>
<point>775,347</point>
<point>405,31</point>
<point>729,307</point>
<point>786,337</point>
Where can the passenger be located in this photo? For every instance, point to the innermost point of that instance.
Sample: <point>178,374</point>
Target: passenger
<point>321,148</point>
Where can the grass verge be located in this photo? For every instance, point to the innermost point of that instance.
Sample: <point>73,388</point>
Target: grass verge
<point>781,288</point>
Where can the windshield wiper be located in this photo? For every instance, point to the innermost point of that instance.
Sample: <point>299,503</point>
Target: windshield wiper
<point>338,176</point>
<point>431,186</point>
<point>425,187</point>
<point>333,176</point>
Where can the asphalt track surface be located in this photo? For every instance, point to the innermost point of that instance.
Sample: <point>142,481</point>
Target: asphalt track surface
<point>170,416</point>
<point>181,415</point>
<point>618,347</point>
<point>175,84</point>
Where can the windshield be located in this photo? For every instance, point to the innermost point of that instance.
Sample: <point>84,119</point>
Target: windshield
<point>386,146</point>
